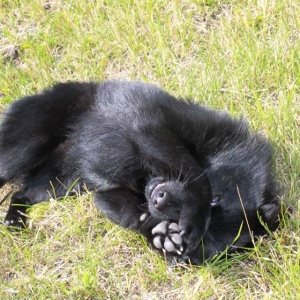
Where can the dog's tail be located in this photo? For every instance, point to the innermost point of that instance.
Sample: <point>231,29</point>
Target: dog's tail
<point>34,126</point>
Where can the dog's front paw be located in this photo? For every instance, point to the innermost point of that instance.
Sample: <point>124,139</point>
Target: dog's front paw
<point>167,238</point>
<point>144,217</point>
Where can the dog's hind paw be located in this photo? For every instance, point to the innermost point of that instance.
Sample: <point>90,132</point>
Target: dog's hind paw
<point>15,221</point>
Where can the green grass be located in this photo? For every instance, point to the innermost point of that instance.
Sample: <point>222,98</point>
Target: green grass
<point>241,56</point>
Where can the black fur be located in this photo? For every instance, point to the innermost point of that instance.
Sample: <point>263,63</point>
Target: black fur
<point>142,151</point>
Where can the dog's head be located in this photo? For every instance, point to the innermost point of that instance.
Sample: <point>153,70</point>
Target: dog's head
<point>245,197</point>
<point>244,201</point>
<point>244,205</point>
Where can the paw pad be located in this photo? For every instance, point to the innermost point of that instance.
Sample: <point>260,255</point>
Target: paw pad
<point>144,217</point>
<point>167,237</point>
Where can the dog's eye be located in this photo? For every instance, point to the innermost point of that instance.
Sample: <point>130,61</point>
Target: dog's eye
<point>215,200</point>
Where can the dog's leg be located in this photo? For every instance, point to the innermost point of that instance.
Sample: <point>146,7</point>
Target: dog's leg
<point>125,207</point>
<point>15,216</point>
<point>128,209</point>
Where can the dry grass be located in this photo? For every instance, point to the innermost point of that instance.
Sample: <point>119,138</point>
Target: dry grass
<point>242,56</point>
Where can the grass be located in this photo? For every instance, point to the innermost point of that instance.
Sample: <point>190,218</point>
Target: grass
<point>241,56</point>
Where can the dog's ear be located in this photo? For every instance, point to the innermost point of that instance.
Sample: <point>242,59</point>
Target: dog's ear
<point>270,209</point>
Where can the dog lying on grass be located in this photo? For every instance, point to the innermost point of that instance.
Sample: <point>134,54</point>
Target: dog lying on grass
<point>192,180</point>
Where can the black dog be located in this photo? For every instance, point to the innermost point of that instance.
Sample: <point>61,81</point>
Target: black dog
<point>192,180</point>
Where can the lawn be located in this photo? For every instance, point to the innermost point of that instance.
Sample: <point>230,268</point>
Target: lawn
<point>242,56</point>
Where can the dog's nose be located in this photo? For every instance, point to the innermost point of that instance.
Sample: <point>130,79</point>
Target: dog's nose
<point>161,199</point>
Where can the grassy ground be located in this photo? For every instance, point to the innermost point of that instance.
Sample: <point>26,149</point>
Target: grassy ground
<point>242,56</point>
